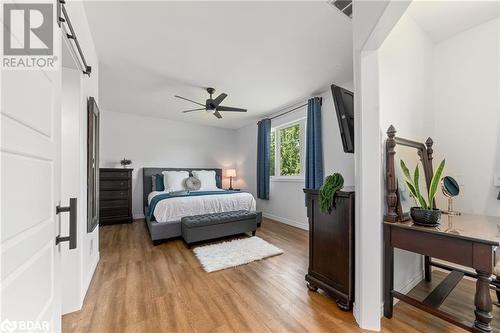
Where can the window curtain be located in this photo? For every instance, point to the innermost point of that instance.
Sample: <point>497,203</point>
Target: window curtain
<point>314,146</point>
<point>263,147</point>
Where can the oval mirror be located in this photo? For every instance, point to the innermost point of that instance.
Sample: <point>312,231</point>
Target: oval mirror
<point>450,187</point>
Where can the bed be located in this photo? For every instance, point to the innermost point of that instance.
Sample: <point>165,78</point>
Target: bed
<point>164,220</point>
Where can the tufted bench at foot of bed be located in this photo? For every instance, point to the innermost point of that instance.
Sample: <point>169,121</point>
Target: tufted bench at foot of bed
<point>209,226</point>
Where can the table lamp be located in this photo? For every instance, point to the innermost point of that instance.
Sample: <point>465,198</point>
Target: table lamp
<point>230,173</point>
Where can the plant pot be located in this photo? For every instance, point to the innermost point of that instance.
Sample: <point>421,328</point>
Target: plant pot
<point>422,216</point>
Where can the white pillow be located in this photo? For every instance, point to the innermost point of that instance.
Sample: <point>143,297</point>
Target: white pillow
<point>207,179</point>
<point>174,180</point>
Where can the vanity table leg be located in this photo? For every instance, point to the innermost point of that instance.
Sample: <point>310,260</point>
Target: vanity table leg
<point>388,273</point>
<point>427,267</point>
<point>482,301</point>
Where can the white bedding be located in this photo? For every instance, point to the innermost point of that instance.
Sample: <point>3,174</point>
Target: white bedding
<point>173,209</point>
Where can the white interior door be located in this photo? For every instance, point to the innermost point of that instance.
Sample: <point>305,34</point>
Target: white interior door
<point>30,191</point>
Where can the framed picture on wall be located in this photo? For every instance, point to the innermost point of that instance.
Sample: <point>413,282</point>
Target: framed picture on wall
<point>92,164</point>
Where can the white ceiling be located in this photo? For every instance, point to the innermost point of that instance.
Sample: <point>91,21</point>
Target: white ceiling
<point>264,55</point>
<point>444,19</point>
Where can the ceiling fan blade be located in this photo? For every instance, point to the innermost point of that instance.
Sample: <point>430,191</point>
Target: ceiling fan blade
<point>217,114</point>
<point>219,99</point>
<point>189,100</point>
<point>186,111</point>
<point>230,109</point>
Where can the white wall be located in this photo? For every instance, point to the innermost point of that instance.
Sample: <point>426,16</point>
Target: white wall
<point>450,92</point>
<point>405,70</point>
<point>466,115</point>
<point>286,203</point>
<point>371,25</point>
<point>246,158</point>
<point>78,264</point>
<point>70,184</point>
<point>158,142</point>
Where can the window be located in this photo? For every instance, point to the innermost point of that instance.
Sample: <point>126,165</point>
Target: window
<point>288,150</point>
<point>272,153</point>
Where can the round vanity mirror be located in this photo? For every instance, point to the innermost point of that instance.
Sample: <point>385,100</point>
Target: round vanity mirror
<point>450,189</point>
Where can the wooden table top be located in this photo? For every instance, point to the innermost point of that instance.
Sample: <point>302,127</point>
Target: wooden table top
<point>477,228</point>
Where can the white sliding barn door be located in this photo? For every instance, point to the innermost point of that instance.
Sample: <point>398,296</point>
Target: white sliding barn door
<point>30,191</point>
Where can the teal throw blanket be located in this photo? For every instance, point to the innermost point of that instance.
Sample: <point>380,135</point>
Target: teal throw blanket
<point>166,196</point>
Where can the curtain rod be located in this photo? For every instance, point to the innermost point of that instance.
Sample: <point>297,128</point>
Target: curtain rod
<point>295,108</point>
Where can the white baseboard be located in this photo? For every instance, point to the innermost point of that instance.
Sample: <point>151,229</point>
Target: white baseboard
<point>355,313</point>
<point>138,216</point>
<point>86,285</point>
<point>284,220</point>
<point>90,276</point>
<point>412,283</point>
<point>370,326</point>
<point>405,288</point>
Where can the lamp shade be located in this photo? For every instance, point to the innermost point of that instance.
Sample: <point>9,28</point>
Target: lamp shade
<point>230,172</point>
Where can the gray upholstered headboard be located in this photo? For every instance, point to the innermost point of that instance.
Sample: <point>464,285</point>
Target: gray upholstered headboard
<point>147,182</point>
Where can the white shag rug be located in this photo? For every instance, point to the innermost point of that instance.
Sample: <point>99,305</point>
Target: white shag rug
<point>234,253</point>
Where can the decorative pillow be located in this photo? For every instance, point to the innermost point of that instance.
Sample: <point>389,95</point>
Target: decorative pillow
<point>207,178</point>
<point>157,182</point>
<point>192,184</point>
<point>153,183</point>
<point>174,180</point>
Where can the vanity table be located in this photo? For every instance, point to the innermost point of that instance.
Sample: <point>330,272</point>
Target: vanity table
<point>466,240</point>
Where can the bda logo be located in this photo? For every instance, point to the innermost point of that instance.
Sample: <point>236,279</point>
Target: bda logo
<point>8,326</point>
<point>29,29</point>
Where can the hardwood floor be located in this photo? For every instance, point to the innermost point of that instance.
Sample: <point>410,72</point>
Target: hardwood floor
<point>138,287</point>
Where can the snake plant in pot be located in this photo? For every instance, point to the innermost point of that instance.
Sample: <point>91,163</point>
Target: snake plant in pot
<point>425,213</point>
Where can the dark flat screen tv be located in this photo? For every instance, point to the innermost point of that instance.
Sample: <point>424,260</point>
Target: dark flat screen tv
<point>344,104</point>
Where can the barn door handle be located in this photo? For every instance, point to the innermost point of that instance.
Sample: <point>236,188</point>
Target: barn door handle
<point>72,223</point>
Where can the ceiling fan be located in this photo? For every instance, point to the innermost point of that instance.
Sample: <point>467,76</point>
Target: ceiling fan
<point>212,104</point>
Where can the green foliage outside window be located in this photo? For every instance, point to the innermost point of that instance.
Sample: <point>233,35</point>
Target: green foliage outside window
<point>290,150</point>
<point>272,154</point>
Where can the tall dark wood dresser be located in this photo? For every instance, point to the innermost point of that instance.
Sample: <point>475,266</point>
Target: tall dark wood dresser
<point>331,247</point>
<point>115,196</point>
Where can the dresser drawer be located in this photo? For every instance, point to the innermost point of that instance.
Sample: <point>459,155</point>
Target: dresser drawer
<point>114,174</point>
<point>115,220</point>
<point>112,195</point>
<point>113,184</point>
<point>113,212</point>
<point>114,204</point>
<point>115,196</point>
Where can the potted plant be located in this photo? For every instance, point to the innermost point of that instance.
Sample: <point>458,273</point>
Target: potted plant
<point>425,212</point>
